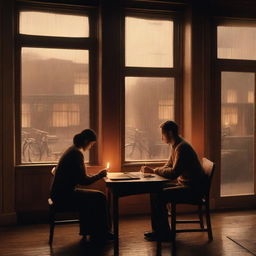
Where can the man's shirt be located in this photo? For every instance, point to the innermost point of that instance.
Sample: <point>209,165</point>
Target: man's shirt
<point>183,165</point>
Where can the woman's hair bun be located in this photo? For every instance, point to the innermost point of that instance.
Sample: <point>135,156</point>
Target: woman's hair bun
<point>86,136</point>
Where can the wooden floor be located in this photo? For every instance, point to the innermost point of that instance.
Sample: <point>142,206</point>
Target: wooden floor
<point>32,240</point>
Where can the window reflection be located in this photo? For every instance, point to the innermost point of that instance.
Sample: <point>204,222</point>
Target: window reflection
<point>65,115</point>
<point>237,148</point>
<point>26,115</point>
<point>55,101</point>
<point>149,102</point>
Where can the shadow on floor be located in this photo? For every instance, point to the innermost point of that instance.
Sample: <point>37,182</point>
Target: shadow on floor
<point>75,249</point>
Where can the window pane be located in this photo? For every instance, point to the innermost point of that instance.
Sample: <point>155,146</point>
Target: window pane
<point>237,139</point>
<point>236,42</point>
<point>53,109</point>
<point>148,42</point>
<point>148,103</point>
<point>52,24</point>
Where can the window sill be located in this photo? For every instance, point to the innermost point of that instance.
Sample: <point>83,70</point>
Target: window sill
<point>37,165</point>
<point>148,163</point>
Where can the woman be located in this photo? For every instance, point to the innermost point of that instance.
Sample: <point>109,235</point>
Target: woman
<point>91,204</point>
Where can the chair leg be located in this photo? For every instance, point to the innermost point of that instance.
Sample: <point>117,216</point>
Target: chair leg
<point>52,224</point>
<point>208,221</point>
<point>158,248</point>
<point>168,206</point>
<point>200,215</point>
<point>173,221</point>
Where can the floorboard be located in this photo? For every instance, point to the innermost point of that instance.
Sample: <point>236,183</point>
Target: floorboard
<point>31,240</point>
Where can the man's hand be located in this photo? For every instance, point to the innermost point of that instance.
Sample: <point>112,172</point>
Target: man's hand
<point>147,169</point>
<point>103,173</point>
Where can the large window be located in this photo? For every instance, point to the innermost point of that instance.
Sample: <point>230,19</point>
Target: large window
<point>236,50</point>
<point>150,85</point>
<point>237,150</point>
<point>54,51</point>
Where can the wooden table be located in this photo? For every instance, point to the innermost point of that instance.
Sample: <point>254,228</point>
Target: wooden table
<point>121,188</point>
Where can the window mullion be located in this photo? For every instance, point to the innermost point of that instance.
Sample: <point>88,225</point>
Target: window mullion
<point>150,72</point>
<point>55,42</point>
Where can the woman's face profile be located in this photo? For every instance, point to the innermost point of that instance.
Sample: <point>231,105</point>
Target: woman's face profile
<point>89,145</point>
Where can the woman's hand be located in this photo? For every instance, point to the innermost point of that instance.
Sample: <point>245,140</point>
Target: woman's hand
<point>103,173</point>
<point>147,169</point>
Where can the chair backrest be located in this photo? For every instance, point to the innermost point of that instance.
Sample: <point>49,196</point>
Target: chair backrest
<point>53,171</point>
<point>208,167</point>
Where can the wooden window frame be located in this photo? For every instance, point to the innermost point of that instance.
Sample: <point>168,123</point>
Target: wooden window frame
<point>89,43</point>
<point>171,72</point>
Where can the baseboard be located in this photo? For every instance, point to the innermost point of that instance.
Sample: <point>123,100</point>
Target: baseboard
<point>39,217</point>
<point>8,218</point>
<point>32,217</point>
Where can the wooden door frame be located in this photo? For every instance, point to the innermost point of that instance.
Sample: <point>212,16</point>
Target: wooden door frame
<point>222,65</point>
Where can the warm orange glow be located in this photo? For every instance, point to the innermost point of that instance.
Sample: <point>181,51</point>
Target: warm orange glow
<point>108,165</point>
<point>53,24</point>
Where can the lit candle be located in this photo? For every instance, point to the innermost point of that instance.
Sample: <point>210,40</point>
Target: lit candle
<point>108,165</point>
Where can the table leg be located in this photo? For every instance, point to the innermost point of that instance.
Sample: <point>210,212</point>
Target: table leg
<point>109,205</point>
<point>116,223</point>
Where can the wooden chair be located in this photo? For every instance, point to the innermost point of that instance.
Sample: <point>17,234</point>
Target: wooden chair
<point>53,211</point>
<point>202,202</point>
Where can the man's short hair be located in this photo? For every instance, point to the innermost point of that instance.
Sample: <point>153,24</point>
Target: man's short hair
<point>170,126</point>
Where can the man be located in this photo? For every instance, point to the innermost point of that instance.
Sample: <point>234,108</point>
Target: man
<point>186,180</point>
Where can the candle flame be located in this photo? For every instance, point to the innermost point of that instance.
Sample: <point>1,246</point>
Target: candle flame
<point>108,165</point>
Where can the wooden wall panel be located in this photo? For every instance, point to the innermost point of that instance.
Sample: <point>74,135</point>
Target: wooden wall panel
<point>7,128</point>
<point>32,189</point>
<point>33,186</point>
<point>1,107</point>
<point>187,74</point>
<point>111,83</point>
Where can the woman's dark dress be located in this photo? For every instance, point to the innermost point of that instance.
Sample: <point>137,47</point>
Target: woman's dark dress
<point>91,204</point>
